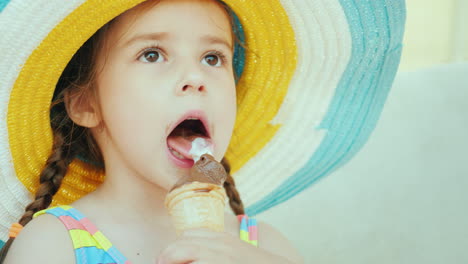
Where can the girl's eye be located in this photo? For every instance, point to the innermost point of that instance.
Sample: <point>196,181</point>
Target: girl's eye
<point>213,60</point>
<point>151,56</point>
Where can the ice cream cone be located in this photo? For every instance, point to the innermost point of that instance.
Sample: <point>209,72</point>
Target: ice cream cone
<point>197,205</point>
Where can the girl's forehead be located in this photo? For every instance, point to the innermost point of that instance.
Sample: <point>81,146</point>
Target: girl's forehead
<point>173,15</point>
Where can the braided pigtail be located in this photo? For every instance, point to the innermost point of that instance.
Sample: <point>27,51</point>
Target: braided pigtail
<point>229,185</point>
<point>50,178</point>
<point>50,181</point>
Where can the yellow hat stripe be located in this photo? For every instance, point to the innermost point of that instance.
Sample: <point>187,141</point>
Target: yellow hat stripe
<point>270,63</point>
<point>28,111</point>
<point>271,59</point>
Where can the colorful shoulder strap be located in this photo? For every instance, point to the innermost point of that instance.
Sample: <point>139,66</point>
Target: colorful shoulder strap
<point>90,245</point>
<point>248,229</point>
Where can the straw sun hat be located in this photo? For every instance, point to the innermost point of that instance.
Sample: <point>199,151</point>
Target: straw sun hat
<point>315,77</point>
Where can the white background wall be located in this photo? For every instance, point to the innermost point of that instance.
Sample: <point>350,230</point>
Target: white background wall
<point>436,33</point>
<point>403,198</point>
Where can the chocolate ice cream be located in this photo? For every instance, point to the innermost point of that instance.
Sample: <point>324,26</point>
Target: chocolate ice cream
<point>206,170</point>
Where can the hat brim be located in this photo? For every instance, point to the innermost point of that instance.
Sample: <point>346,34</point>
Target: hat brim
<point>316,76</point>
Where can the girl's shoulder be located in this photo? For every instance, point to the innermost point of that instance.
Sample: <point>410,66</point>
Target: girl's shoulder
<point>42,240</point>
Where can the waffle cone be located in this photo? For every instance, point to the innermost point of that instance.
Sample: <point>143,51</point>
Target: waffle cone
<point>197,205</point>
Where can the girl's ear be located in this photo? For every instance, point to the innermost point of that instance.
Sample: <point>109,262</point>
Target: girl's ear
<point>82,109</point>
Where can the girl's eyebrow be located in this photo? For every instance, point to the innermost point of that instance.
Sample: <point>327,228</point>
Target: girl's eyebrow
<point>209,39</point>
<point>146,36</point>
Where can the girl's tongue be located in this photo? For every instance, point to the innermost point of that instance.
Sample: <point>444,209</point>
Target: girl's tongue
<point>182,145</point>
<point>180,140</point>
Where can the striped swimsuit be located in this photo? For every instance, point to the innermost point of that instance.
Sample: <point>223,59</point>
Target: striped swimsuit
<point>92,247</point>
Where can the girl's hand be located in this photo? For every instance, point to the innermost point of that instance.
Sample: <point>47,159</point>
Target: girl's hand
<point>203,246</point>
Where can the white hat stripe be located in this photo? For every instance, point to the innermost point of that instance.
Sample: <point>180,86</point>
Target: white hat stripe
<point>16,49</point>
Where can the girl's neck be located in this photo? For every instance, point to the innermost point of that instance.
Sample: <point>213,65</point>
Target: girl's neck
<point>128,198</point>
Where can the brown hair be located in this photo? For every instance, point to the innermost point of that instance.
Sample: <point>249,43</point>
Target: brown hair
<point>72,141</point>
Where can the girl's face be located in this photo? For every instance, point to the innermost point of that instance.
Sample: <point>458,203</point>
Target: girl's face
<point>163,65</point>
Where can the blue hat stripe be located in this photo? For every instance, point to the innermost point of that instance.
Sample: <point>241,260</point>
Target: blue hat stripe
<point>239,51</point>
<point>3,3</point>
<point>376,31</point>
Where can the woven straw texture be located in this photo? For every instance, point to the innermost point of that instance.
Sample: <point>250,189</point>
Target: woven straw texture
<point>316,76</point>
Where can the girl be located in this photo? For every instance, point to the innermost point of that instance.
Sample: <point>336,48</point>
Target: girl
<point>127,101</point>
<point>154,66</point>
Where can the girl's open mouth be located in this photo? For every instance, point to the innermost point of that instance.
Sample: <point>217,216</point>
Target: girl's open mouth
<point>179,141</point>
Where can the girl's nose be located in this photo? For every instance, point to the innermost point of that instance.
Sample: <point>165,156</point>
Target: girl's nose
<point>193,83</point>
<point>189,88</point>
